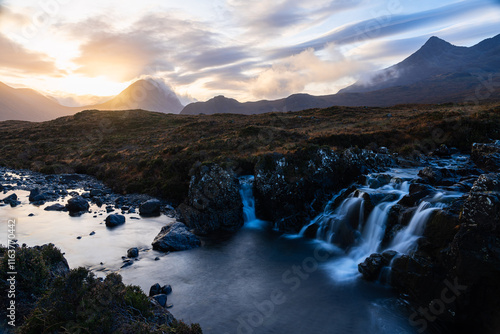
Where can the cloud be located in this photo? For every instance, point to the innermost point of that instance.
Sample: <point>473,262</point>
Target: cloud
<point>294,73</point>
<point>389,25</point>
<point>265,19</point>
<point>15,57</point>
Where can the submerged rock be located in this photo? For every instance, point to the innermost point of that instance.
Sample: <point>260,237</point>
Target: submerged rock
<point>133,252</point>
<point>175,237</point>
<point>114,220</point>
<point>214,202</point>
<point>55,207</point>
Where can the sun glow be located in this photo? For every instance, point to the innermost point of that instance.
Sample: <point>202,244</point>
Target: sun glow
<point>99,86</point>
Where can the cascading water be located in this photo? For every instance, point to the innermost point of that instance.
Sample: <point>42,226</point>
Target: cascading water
<point>246,192</point>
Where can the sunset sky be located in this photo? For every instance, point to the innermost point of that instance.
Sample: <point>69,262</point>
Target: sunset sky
<point>246,50</point>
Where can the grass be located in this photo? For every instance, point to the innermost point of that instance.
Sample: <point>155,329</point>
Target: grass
<point>140,151</point>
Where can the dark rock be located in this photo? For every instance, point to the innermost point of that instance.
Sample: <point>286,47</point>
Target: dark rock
<point>161,299</point>
<point>166,289</point>
<point>109,208</point>
<point>70,178</point>
<point>150,208</point>
<point>372,266</point>
<point>55,207</point>
<point>77,204</point>
<point>155,290</point>
<point>31,215</point>
<point>127,264</point>
<point>300,184</point>
<point>12,200</point>
<point>175,237</point>
<point>214,201</point>
<point>157,258</point>
<point>114,220</point>
<point>311,231</point>
<point>294,223</point>
<point>133,252</point>
<point>442,151</point>
<point>486,156</point>
<point>96,192</point>
<point>92,233</point>
<point>418,191</point>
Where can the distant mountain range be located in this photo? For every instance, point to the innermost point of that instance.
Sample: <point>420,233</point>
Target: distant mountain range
<point>29,105</point>
<point>438,72</point>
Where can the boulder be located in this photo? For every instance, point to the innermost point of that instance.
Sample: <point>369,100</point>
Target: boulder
<point>161,299</point>
<point>55,207</point>
<point>150,208</point>
<point>175,237</point>
<point>486,156</point>
<point>133,252</point>
<point>114,220</point>
<point>77,205</point>
<point>418,191</point>
<point>442,152</point>
<point>11,200</point>
<point>214,202</point>
<point>372,266</point>
<point>155,290</point>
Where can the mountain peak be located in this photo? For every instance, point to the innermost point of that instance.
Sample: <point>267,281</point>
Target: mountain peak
<point>435,43</point>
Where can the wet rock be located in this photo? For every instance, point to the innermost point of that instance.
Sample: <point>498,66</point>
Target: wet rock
<point>55,207</point>
<point>294,223</point>
<point>214,202</point>
<point>442,151</point>
<point>150,208</point>
<point>96,193</point>
<point>114,220</point>
<point>155,290</point>
<point>300,184</point>
<point>311,231</point>
<point>166,289</point>
<point>77,205</point>
<point>161,299</point>
<point>372,266</point>
<point>175,237</point>
<point>11,200</point>
<point>486,156</point>
<point>37,196</point>
<point>418,191</point>
<point>70,178</point>
<point>31,215</point>
<point>109,208</point>
<point>133,252</point>
<point>482,207</point>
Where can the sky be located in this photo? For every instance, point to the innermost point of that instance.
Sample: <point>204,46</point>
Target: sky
<point>82,51</point>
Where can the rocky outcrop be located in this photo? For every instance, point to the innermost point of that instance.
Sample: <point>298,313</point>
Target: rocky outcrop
<point>175,237</point>
<point>487,156</point>
<point>291,189</point>
<point>214,201</point>
<point>373,265</point>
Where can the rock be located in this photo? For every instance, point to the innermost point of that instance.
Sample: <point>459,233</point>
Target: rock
<point>166,289</point>
<point>161,299</point>
<point>31,215</point>
<point>482,207</point>
<point>109,208</point>
<point>442,151</point>
<point>155,290</point>
<point>486,156</point>
<point>372,266</point>
<point>214,201</point>
<point>418,191</point>
<point>92,233</point>
<point>77,205</point>
<point>55,207</point>
<point>133,252</point>
<point>175,237</point>
<point>36,195</point>
<point>157,258</point>
<point>12,200</point>
<point>311,231</point>
<point>96,192</point>
<point>150,208</point>
<point>114,220</point>
<point>70,178</point>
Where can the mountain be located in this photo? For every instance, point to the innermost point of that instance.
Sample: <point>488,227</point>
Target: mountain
<point>29,105</point>
<point>147,94</point>
<point>438,72</point>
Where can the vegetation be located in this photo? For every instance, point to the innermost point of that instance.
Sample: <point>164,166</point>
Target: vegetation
<point>52,299</point>
<point>140,151</point>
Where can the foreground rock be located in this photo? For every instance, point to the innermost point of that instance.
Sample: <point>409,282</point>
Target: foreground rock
<point>150,208</point>
<point>214,201</point>
<point>11,200</point>
<point>373,265</point>
<point>175,237</point>
<point>487,156</point>
<point>77,205</point>
<point>114,220</point>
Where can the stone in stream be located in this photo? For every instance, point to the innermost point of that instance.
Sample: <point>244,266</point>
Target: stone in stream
<point>114,220</point>
<point>150,208</point>
<point>77,205</point>
<point>175,237</point>
<point>37,196</point>
<point>55,207</point>
<point>161,299</point>
<point>372,266</point>
<point>12,200</point>
<point>133,252</point>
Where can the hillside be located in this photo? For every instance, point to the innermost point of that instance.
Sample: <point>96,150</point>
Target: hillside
<point>140,151</point>
<point>438,72</point>
<point>29,105</point>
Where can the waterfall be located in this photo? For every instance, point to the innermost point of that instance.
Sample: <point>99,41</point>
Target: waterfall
<point>246,192</point>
